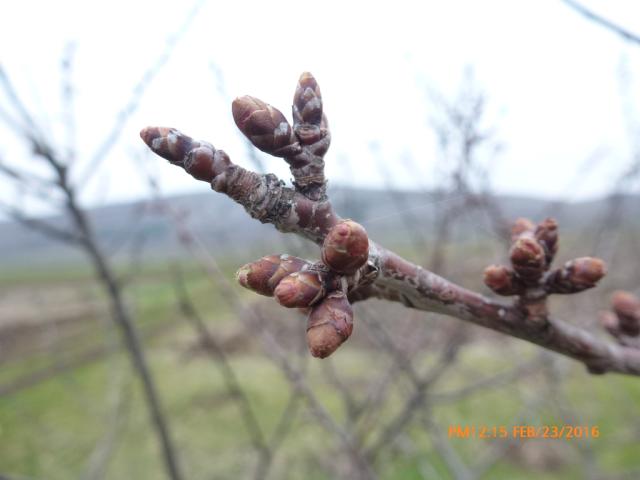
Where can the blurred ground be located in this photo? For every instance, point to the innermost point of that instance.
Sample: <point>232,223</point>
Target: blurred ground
<point>69,405</point>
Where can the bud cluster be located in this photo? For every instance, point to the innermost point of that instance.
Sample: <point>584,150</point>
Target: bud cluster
<point>298,283</point>
<point>303,146</point>
<point>576,275</point>
<point>532,252</point>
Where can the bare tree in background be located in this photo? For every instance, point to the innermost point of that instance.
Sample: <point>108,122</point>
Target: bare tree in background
<point>64,176</point>
<point>354,269</point>
<point>371,428</point>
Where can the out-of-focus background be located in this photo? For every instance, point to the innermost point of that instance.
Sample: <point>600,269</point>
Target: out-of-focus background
<point>127,350</point>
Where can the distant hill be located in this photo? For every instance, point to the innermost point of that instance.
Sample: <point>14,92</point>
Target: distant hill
<point>396,217</point>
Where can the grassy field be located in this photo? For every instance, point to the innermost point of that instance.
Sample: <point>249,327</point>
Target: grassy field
<point>87,418</point>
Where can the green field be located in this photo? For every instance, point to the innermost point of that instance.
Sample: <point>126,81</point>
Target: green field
<point>88,419</point>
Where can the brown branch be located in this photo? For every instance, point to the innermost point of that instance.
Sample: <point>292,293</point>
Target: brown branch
<point>386,274</point>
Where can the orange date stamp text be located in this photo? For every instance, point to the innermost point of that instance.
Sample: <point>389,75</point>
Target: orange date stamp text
<point>524,432</point>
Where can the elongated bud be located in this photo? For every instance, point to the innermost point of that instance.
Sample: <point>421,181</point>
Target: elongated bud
<point>520,226</point>
<point>300,289</point>
<point>330,323</point>
<point>346,247</point>
<point>502,280</point>
<point>199,159</point>
<point>576,275</point>
<point>307,101</point>
<point>265,126</point>
<point>169,143</point>
<point>308,121</point>
<point>547,234</point>
<point>528,259</point>
<point>627,307</point>
<point>264,275</point>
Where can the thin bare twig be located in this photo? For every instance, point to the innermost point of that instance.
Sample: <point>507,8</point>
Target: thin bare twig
<point>608,24</point>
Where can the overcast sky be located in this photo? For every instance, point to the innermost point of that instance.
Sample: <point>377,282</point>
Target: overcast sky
<point>560,88</point>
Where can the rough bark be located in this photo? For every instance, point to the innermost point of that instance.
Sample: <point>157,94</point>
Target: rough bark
<point>306,211</point>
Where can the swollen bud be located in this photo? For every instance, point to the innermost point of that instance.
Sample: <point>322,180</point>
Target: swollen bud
<point>520,226</point>
<point>547,234</point>
<point>627,308</point>
<point>502,280</point>
<point>205,163</point>
<point>585,272</point>
<point>264,275</point>
<point>300,289</point>
<point>330,323</point>
<point>169,143</point>
<point>307,101</point>
<point>609,321</point>
<point>576,275</point>
<point>265,126</point>
<point>528,258</point>
<point>346,247</point>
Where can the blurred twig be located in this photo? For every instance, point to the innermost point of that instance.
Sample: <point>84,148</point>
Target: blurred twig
<point>132,104</point>
<point>608,24</point>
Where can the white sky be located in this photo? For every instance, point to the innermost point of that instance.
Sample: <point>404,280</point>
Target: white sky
<point>552,79</point>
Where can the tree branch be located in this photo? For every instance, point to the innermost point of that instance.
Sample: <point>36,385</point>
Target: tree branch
<point>385,274</point>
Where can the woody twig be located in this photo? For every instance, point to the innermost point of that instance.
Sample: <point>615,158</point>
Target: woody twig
<point>355,268</point>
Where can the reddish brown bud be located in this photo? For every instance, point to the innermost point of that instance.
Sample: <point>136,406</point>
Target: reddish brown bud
<point>520,226</point>
<point>169,143</point>
<point>264,275</point>
<point>502,280</point>
<point>199,159</point>
<point>528,258</point>
<point>300,289</point>
<point>627,308</point>
<point>346,247</point>
<point>576,275</point>
<point>586,271</point>
<point>547,234</point>
<point>609,321</point>
<point>265,126</point>
<point>625,303</point>
<point>330,323</point>
<point>205,163</point>
<point>307,101</point>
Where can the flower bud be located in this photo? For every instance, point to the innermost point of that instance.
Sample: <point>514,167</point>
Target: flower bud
<point>300,289</point>
<point>609,321</point>
<point>264,275</point>
<point>576,275</point>
<point>169,143</point>
<point>627,308</point>
<point>585,272</point>
<point>346,247</point>
<point>265,126</point>
<point>502,280</point>
<point>528,258</point>
<point>307,101</point>
<point>205,163</point>
<point>520,226</point>
<point>547,234</point>
<point>330,323</point>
